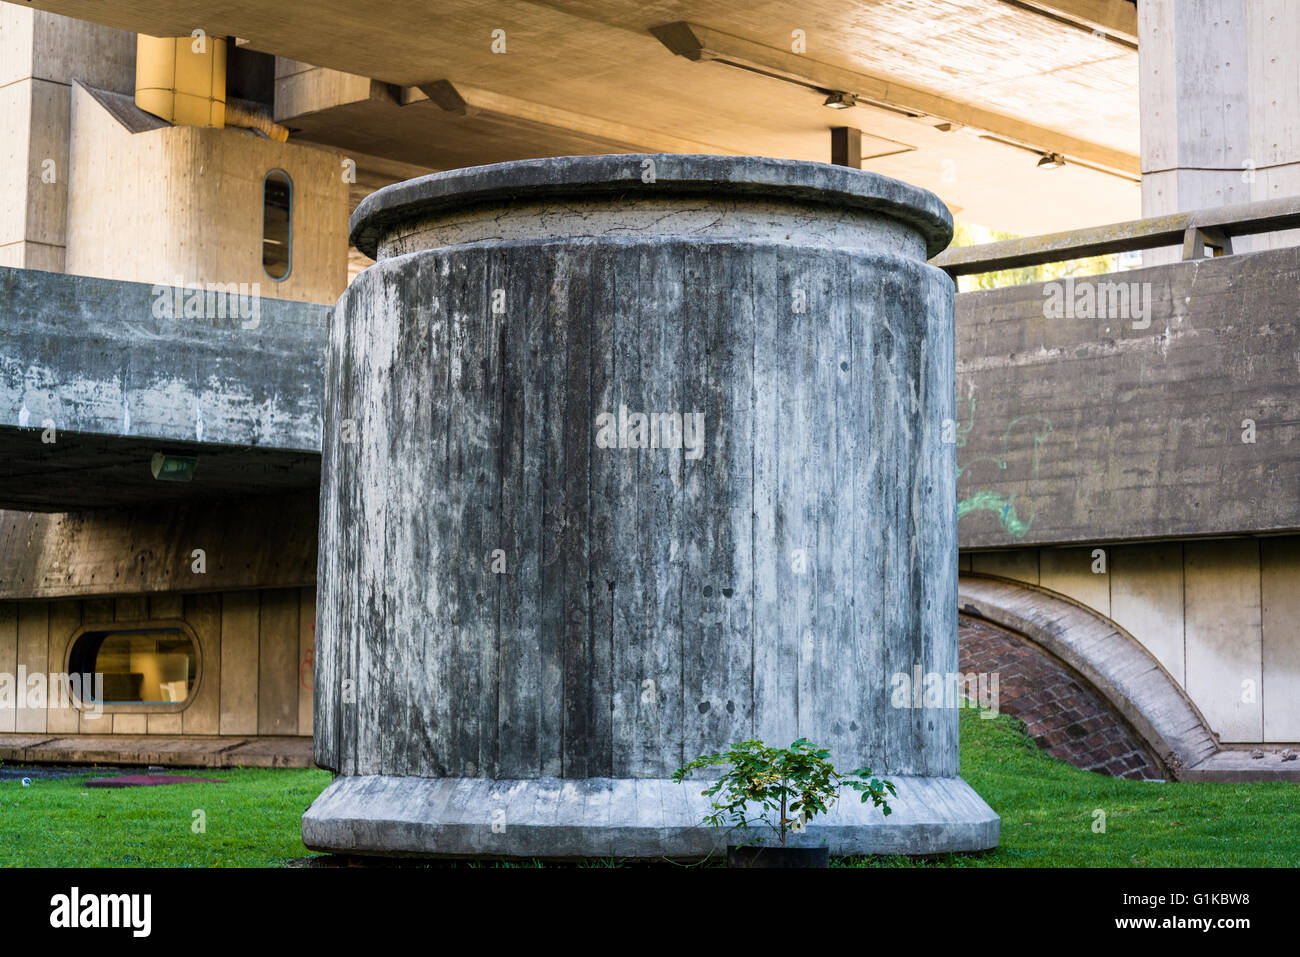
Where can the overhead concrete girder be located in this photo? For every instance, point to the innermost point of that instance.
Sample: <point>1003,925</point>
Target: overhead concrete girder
<point>95,379</point>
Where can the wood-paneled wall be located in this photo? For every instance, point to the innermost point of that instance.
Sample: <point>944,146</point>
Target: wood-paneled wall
<point>256,650</point>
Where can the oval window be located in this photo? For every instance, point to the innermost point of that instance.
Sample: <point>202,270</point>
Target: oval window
<point>138,665</point>
<point>277,224</point>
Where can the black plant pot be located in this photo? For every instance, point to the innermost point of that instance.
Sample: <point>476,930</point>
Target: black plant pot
<point>751,856</point>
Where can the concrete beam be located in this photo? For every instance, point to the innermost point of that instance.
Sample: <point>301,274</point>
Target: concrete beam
<point>94,381</point>
<point>1117,19</point>
<point>700,43</point>
<point>549,124</point>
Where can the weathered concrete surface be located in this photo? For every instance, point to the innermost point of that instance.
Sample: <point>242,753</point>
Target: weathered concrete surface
<point>1123,427</point>
<point>1241,764</point>
<point>215,191</point>
<point>1146,596</point>
<point>763,578</point>
<point>1223,634</point>
<point>1200,137</point>
<point>118,383</point>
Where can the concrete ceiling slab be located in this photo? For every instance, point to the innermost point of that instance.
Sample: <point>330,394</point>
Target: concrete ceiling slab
<point>598,59</point>
<point>100,471</point>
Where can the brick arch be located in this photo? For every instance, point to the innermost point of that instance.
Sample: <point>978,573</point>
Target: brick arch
<point>1094,695</point>
<point>1061,711</point>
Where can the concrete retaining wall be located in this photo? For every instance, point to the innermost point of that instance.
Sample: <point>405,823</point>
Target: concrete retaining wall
<point>1112,421</point>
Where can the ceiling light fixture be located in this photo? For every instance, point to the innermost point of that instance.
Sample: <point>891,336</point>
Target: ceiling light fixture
<point>1051,160</point>
<point>840,101</point>
<point>173,468</point>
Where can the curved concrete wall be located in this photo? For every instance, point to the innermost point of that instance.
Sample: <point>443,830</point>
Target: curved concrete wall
<point>206,226</point>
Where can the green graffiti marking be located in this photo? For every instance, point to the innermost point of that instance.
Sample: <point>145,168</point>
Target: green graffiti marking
<point>987,500</point>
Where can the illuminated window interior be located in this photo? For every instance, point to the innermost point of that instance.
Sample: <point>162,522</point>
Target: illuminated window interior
<point>143,666</point>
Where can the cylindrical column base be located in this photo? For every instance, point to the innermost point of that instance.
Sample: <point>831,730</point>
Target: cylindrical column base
<point>643,818</point>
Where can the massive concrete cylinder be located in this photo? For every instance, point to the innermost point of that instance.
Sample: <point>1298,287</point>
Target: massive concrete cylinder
<point>627,458</point>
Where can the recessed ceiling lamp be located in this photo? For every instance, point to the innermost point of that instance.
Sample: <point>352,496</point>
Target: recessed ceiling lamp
<point>840,101</point>
<point>173,468</point>
<point>1051,161</point>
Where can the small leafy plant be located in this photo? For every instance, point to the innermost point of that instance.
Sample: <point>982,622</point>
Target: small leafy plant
<point>795,783</point>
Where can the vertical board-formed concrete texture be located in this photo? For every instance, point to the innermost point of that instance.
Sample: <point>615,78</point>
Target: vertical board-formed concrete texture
<point>628,458</point>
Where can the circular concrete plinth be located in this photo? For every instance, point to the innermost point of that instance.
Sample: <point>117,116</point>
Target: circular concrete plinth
<point>609,817</point>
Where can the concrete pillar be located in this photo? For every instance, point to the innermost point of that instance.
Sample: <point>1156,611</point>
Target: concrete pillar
<point>628,458</point>
<point>40,54</point>
<point>1220,102</point>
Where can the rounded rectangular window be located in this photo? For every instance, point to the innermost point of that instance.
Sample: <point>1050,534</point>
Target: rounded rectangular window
<point>277,224</point>
<point>139,665</point>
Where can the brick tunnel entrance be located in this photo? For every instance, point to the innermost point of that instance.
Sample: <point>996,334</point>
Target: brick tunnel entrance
<point>1061,711</point>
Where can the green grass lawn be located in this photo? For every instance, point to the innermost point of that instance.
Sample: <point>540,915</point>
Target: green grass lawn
<point>1047,808</point>
<point>253,820</point>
